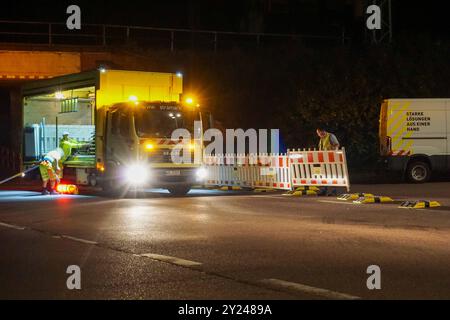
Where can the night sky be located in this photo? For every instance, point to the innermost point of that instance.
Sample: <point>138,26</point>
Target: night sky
<point>329,17</point>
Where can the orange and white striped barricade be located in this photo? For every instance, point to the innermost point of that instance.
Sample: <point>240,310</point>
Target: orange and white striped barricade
<point>220,170</point>
<point>253,170</point>
<point>272,171</point>
<point>319,168</point>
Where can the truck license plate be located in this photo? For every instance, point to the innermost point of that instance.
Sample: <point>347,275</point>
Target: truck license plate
<point>173,172</point>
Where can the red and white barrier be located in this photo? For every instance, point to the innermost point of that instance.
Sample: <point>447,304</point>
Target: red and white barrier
<point>264,170</point>
<point>319,168</point>
<point>279,171</point>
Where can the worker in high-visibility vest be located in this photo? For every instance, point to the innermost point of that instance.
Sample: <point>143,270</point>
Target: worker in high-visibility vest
<point>50,170</point>
<point>328,141</point>
<point>68,144</point>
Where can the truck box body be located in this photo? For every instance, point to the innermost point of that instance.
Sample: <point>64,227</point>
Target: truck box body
<point>415,131</point>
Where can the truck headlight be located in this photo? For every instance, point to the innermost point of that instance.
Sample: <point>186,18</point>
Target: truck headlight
<point>136,174</point>
<point>201,174</point>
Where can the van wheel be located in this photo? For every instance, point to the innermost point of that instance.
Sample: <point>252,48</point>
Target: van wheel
<point>179,190</point>
<point>418,172</point>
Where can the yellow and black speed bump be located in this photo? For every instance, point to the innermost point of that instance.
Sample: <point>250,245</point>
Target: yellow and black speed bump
<point>306,188</point>
<point>301,193</point>
<point>354,196</point>
<point>204,187</point>
<point>230,188</point>
<point>422,204</point>
<point>365,200</point>
<point>264,190</point>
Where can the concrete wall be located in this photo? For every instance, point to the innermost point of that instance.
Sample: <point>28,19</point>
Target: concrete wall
<point>37,64</point>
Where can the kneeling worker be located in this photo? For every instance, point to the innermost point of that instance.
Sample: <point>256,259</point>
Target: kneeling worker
<point>50,170</point>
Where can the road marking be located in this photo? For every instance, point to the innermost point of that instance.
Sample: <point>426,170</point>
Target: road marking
<point>172,260</point>
<point>308,289</point>
<point>336,202</point>
<point>11,226</point>
<point>79,240</point>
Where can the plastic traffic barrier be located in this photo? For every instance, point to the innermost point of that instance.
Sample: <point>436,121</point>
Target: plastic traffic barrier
<point>249,171</point>
<point>319,168</point>
<point>299,170</point>
<point>422,204</point>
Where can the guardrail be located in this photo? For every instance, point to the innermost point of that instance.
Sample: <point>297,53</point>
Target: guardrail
<point>54,33</point>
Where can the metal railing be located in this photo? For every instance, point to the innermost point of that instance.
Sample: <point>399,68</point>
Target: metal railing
<point>54,33</point>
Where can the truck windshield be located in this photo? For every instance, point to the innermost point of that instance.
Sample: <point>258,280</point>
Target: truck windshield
<point>156,122</point>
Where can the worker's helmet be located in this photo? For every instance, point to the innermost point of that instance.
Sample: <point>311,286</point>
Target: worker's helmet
<point>65,133</point>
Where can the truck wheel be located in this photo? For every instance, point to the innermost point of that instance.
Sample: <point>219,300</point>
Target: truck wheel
<point>92,179</point>
<point>109,183</point>
<point>110,188</point>
<point>418,172</point>
<point>179,190</point>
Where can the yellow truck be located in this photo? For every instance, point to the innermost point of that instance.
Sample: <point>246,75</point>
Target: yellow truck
<point>414,137</point>
<point>124,120</point>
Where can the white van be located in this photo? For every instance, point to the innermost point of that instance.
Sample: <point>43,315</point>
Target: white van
<point>414,137</point>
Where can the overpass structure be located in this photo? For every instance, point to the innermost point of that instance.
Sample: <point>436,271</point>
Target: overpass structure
<point>41,50</point>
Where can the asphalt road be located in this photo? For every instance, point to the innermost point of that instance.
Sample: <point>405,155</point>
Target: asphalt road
<point>225,245</point>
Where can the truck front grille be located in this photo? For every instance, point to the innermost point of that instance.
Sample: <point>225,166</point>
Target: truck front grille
<point>162,156</point>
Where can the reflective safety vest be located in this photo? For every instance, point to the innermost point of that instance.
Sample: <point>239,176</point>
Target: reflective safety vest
<point>68,145</point>
<point>325,143</point>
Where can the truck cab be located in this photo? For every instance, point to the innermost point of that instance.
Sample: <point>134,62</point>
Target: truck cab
<point>140,149</point>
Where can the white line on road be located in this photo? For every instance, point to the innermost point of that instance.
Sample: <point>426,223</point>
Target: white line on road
<point>169,259</point>
<point>79,240</point>
<point>7,225</point>
<point>336,202</point>
<point>309,290</point>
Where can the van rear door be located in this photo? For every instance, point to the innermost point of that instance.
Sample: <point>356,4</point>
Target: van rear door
<point>384,140</point>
